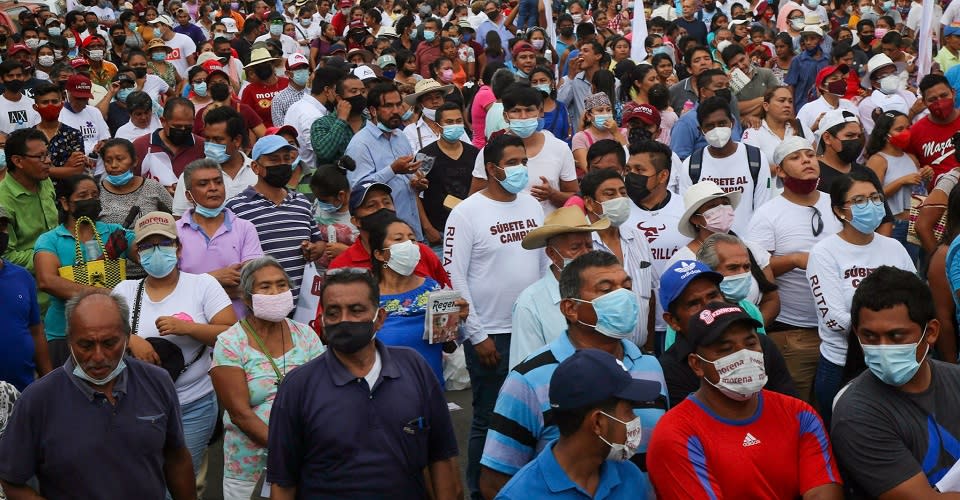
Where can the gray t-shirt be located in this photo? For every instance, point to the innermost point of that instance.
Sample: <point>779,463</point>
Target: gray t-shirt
<point>883,436</point>
<point>762,81</point>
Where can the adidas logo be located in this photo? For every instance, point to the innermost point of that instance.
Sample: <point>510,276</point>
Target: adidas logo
<point>686,267</point>
<point>749,440</point>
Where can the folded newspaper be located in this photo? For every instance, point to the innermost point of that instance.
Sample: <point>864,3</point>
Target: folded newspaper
<point>443,317</point>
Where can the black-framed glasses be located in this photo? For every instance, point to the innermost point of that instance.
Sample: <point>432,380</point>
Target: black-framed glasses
<point>863,201</point>
<point>43,157</point>
<point>816,222</point>
<point>144,246</point>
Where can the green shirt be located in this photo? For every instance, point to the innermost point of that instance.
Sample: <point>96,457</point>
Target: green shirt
<point>329,137</point>
<point>31,214</point>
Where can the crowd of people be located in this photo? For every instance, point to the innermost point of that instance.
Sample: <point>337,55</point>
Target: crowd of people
<point>691,249</point>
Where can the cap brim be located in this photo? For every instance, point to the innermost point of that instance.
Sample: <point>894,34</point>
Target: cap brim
<point>273,150</point>
<point>638,391</point>
<point>376,185</point>
<point>539,236</point>
<point>687,229</point>
<point>713,276</point>
<point>720,327</point>
<point>82,95</point>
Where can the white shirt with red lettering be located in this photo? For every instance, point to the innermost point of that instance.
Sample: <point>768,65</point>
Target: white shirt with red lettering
<point>183,47</point>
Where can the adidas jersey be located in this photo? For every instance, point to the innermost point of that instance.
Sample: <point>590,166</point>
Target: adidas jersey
<point>782,451</point>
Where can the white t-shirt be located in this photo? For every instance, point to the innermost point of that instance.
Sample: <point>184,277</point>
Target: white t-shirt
<point>810,111</point>
<point>834,271</point>
<point>17,115</point>
<point>733,174</point>
<point>487,265</point>
<point>183,47</point>
<point>301,115</point>
<point>900,101</point>
<point>288,45</point>
<point>783,227</point>
<point>197,297</point>
<point>89,121</point>
<point>103,13</point>
<point>232,185</point>
<point>660,228</point>
<point>759,254</point>
<point>153,85</point>
<point>554,161</point>
<point>949,14</point>
<point>131,132</point>
<point>913,18</point>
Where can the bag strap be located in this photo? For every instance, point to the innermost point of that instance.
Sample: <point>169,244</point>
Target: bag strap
<point>753,160</point>
<point>696,165</point>
<point>135,324</point>
<point>76,239</point>
<point>263,348</point>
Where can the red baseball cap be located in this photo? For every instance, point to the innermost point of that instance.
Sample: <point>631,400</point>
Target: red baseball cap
<point>214,66</point>
<point>78,62</point>
<point>79,86</point>
<point>521,47</point>
<point>346,3</point>
<point>90,39</point>
<point>644,112</point>
<point>829,70</point>
<point>18,47</point>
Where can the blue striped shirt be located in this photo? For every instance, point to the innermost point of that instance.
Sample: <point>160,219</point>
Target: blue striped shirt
<point>281,228</point>
<point>522,422</point>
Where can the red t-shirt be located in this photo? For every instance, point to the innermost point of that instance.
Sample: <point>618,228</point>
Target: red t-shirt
<point>259,97</point>
<point>780,452</point>
<point>429,265</point>
<point>932,144</point>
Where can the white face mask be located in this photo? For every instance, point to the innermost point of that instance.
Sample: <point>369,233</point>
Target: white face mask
<point>623,452</point>
<point>404,257</point>
<point>617,210</point>
<point>430,114</point>
<point>718,137</point>
<point>889,84</point>
<point>742,374</point>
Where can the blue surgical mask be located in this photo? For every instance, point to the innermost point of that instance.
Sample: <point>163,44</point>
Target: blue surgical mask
<point>3,159</point>
<point>300,76</point>
<point>452,133</point>
<point>736,288</point>
<point>888,6</point>
<point>390,74</point>
<point>894,364</point>
<point>130,26</point>
<point>120,180</point>
<point>522,74</point>
<point>466,37</point>
<point>384,128</point>
<point>544,88</point>
<point>159,56</point>
<point>663,49</point>
<point>600,120</point>
<point>429,35</point>
<point>157,33</point>
<point>159,261</point>
<point>216,152</point>
<point>276,29</point>
<point>209,213</point>
<point>407,115</point>
<point>516,179</point>
<point>82,375</point>
<point>328,207</point>
<point>867,217</point>
<point>200,89</point>
<point>523,128</point>
<point>54,31</point>
<point>617,313</point>
<point>122,94</point>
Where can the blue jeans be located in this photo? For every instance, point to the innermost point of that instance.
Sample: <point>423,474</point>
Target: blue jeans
<point>826,385</point>
<point>199,418</point>
<point>485,383</point>
<point>900,228</point>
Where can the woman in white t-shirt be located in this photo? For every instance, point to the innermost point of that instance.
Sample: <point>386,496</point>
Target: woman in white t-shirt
<point>175,318</point>
<point>836,266</point>
<point>779,122</point>
<point>152,84</point>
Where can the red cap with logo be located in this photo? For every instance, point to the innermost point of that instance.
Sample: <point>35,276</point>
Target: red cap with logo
<point>79,86</point>
<point>214,66</point>
<point>18,47</point>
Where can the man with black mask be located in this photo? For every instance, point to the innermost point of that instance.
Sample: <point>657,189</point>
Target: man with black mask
<point>321,101</point>
<point>231,65</point>
<point>164,154</point>
<point>331,134</point>
<point>642,123</point>
<point>218,85</point>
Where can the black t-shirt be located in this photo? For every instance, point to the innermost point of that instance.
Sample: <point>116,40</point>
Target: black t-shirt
<point>695,28</point>
<point>829,174</point>
<point>448,176</point>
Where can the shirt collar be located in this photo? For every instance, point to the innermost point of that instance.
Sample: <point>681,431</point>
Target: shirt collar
<point>188,221</point>
<point>562,349</point>
<point>341,375</point>
<point>120,387</point>
<point>18,190</point>
<point>558,481</point>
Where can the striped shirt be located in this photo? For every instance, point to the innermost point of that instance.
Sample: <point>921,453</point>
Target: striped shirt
<point>281,228</point>
<point>522,423</point>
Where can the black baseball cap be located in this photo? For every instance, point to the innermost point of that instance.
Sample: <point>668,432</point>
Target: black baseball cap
<point>709,325</point>
<point>591,376</point>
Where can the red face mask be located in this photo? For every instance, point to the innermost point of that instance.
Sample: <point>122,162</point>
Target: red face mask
<point>801,186</point>
<point>941,108</point>
<point>901,139</point>
<point>50,112</point>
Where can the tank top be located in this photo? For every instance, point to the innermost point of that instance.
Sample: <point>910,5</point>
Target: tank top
<point>897,167</point>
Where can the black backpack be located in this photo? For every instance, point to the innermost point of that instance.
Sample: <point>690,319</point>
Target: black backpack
<point>753,160</point>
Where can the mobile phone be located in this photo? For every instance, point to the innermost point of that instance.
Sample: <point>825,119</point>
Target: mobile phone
<point>426,162</point>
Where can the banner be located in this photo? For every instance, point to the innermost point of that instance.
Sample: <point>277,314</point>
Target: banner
<point>638,52</point>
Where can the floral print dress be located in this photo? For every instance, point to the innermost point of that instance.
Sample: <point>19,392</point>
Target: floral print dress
<point>404,326</point>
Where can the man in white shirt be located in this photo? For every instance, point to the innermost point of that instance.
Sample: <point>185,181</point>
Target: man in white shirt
<point>224,131</point>
<point>429,94</point>
<point>184,53</point>
<point>321,100</point>
<point>788,226</point>
<point>287,44</point>
<point>831,83</point>
<point>553,176</point>
<point>143,120</point>
<point>78,114</point>
<point>731,165</point>
<point>884,78</point>
<point>482,252</point>
<point>16,109</point>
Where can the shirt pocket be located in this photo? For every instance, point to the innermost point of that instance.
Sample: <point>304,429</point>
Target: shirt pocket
<point>145,431</point>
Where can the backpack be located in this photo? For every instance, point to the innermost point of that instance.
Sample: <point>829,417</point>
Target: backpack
<point>753,160</point>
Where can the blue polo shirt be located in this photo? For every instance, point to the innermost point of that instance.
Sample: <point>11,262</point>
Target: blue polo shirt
<point>544,478</point>
<point>331,436</point>
<point>802,76</point>
<point>20,311</point>
<point>80,446</point>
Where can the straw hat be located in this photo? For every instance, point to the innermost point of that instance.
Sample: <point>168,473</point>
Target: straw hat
<point>694,198</point>
<point>424,87</point>
<point>260,55</point>
<point>562,221</point>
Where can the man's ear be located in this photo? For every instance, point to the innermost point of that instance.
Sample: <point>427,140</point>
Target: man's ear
<point>694,363</point>
<point>933,332</point>
<point>672,321</point>
<point>568,307</point>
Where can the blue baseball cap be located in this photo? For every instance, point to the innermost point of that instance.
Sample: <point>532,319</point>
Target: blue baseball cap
<point>269,144</point>
<point>359,193</point>
<point>676,278</point>
<point>591,376</point>
<point>951,29</point>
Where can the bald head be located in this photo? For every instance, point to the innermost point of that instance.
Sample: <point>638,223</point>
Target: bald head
<point>97,309</point>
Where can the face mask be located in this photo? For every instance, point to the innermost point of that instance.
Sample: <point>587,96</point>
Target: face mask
<point>216,152</point>
<point>407,115</point>
<point>429,35</point>
<point>301,76</point>
<point>718,137</point>
<point>537,44</point>
<point>140,73</point>
<point>122,94</point>
<point>425,10</point>
<point>900,140</point>
<point>894,364</point>
<point>158,56</point>
<point>390,74</point>
<point>941,109</point>
<point>797,24</point>
<point>14,85</point>
<point>263,72</point>
<point>452,133</point>
<point>867,219</point>
<point>273,308</point>
<point>493,16</point>
<point>50,112</point>
<point>623,452</point>
<point>179,136</point>
<point>523,128</point>
<point>159,261</point>
<point>544,88</point>
<point>867,38</point>
<point>375,219</point>
<point>32,43</point>
<point>87,208</point>
<point>637,188</point>
<point>56,31</point>
<point>358,103</point>
<point>880,33</point>
<point>566,32</point>
<point>719,218</point>
<point>278,175</point>
<point>349,337</point>
<point>516,179</point>
<point>600,120</point>
<point>736,288</point>
<point>430,114</point>
<point>120,180</point>
<point>404,257</point>
<point>889,84</point>
<point>446,75</point>
<point>813,51</point>
<point>800,186</point>
<point>850,150</point>
<point>96,55</point>
<point>617,313</point>
<point>617,210</point>
<point>305,23</point>
<point>742,374</point>
<point>837,88</point>
<point>467,37</point>
<point>276,29</point>
<point>220,91</point>
<point>577,18</point>
<point>209,213</point>
<point>92,27</point>
<point>326,207</point>
<point>45,61</point>
<point>725,94</point>
<point>157,33</point>
<point>82,375</point>
<point>888,5</point>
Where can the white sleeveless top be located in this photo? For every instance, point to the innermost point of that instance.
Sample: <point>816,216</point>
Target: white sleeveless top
<point>897,167</point>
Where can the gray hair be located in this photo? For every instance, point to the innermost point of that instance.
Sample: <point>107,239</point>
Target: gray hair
<point>251,268</point>
<point>708,251</point>
<point>201,164</point>
<point>122,308</point>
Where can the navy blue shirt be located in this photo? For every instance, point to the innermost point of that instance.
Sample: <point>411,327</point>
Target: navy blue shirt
<point>331,437</point>
<point>20,311</point>
<point>80,446</point>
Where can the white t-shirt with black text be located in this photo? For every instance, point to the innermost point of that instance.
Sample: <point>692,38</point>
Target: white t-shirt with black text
<point>17,115</point>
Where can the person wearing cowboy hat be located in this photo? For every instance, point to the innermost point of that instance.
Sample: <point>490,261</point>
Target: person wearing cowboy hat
<point>157,53</point>
<point>429,96</point>
<point>183,52</point>
<point>537,320</point>
<point>888,94</point>
<point>264,84</point>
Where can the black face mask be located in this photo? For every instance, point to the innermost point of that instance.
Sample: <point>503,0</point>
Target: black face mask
<point>493,16</point>
<point>4,241</point>
<point>637,188</point>
<point>14,85</point>
<point>180,136</point>
<point>92,27</point>
<point>357,104</point>
<point>263,72</point>
<point>866,39</point>
<point>850,150</point>
<point>140,73</point>
<point>120,39</point>
<point>566,32</point>
<point>375,219</point>
<point>724,93</point>
<point>349,337</point>
<point>278,175</point>
<point>638,134</point>
<point>220,91</point>
<point>87,208</point>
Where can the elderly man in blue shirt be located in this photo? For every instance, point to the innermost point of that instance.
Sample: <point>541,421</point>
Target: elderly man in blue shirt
<point>383,154</point>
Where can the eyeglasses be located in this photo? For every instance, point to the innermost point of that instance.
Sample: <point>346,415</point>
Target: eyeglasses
<point>816,222</point>
<point>863,201</point>
<point>144,247</point>
<point>43,157</point>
